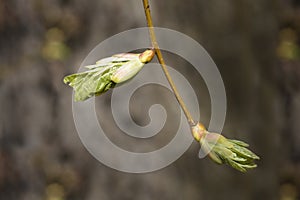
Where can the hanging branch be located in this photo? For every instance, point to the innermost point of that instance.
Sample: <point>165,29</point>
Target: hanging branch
<point>107,72</point>
<point>220,149</point>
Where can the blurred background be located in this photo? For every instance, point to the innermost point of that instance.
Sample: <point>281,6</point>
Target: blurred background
<point>255,44</point>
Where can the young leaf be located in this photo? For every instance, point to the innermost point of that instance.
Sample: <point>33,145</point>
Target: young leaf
<point>223,150</point>
<point>104,75</point>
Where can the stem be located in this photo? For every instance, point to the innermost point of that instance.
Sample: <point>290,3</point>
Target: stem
<point>163,64</point>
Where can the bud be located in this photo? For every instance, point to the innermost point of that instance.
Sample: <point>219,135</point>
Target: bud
<point>223,150</point>
<point>147,56</point>
<point>130,69</point>
<point>198,131</point>
<point>127,71</point>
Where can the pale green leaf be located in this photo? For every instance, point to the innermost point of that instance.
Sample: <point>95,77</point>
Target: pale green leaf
<point>104,75</point>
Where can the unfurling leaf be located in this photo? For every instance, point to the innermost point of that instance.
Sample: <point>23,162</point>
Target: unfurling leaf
<point>104,75</point>
<point>223,150</point>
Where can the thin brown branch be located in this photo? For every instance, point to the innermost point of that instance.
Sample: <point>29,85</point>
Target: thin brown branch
<point>163,64</point>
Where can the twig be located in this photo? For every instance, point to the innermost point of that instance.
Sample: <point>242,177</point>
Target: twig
<point>163,64</point>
